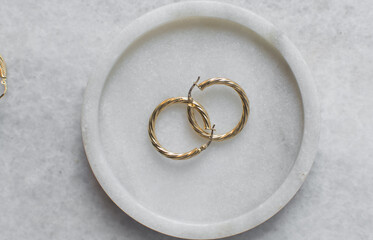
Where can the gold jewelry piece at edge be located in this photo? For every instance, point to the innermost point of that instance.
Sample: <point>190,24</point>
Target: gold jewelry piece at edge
<point>245,108</point>
<point>159,109</point>
<point>3,76</point>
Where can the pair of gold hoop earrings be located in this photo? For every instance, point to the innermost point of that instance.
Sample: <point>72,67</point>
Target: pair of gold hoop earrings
<point>208,130</point>
<point>3,76</point>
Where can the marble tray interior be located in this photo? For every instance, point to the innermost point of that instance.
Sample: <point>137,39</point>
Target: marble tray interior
<point>230,178</point>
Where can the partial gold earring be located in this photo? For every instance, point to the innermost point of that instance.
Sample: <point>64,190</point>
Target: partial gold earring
<point>3,76</point>
<point>159,109</point>
<point>245,108</point>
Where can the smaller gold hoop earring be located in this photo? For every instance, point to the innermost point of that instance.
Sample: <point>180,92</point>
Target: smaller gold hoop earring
<point>3,76</point>
<point>159,109</point>
<point>245,108</point>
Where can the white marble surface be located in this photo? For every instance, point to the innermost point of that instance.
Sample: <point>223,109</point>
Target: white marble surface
<point>237,184</point>
<point>47,188</point>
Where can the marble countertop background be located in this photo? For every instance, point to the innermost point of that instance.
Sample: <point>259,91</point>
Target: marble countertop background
<point>47,189</point>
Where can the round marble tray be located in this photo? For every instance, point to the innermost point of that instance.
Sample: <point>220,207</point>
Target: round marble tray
<point>234,185</point>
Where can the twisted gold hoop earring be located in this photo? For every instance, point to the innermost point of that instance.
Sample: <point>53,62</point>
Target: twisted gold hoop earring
<point>159,109</point>
<point>3,76</point>
<point>245,108</point>
<point>191,105</point>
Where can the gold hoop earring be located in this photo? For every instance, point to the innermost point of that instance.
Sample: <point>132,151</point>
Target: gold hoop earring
<point>3,76</point>
<point>245,108</point>
<point>159,109</point>
<point>191,105</point>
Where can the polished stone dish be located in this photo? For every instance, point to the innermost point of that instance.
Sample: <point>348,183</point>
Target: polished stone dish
<point>225,192</point>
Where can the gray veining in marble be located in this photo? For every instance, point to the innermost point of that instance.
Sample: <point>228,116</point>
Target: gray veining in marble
<point>51,47</point>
